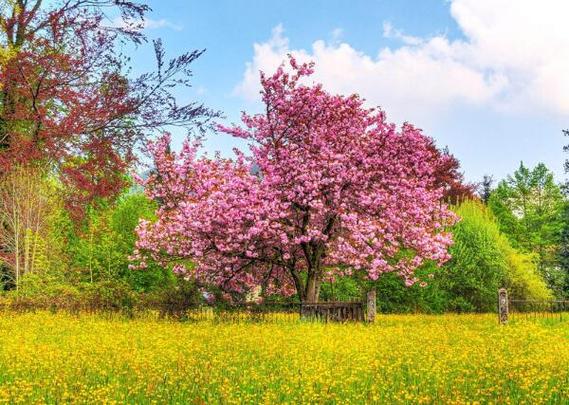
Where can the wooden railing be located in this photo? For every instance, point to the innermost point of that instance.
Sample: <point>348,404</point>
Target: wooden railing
<point>333,311</point>
<point>337,311</point>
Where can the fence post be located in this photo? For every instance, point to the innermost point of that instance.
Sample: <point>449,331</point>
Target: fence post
<point>371,305</point>
<point>503,306</point>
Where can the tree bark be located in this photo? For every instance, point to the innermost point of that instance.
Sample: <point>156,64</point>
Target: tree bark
<point>312,289</point>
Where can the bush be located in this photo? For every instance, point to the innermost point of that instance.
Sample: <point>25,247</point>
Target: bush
<point>523,278</point>
<point>93,297</point>
<point>176,299</point>
<point>112,296</point>
<point>484,260</point>
<point>478,266</point>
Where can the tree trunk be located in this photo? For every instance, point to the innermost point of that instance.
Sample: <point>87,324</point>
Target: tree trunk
<point>309,290</point>
<point>312,289</point>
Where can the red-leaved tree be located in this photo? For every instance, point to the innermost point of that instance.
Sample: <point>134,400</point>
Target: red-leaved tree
<point>329,188</point>
<point>66,98</point>
<point>450,179</point>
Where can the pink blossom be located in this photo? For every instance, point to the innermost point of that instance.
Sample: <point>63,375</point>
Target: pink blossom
<point>336,188</point>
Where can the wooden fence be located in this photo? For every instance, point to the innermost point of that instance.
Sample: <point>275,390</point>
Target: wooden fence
<point>511,308</point>
<point>355,311</point>
<point>333,311</point>
<point>308,311</point>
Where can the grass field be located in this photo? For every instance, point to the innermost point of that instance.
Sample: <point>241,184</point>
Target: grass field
<point>400,359</point>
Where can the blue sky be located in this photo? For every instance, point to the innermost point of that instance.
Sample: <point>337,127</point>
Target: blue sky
<point>487,78</point>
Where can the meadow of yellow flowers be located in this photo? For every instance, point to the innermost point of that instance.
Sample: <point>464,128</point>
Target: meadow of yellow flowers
<point>57,358</point>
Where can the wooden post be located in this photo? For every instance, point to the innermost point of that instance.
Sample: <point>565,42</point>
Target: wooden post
<point>371,306</point>
<point>503,306</point>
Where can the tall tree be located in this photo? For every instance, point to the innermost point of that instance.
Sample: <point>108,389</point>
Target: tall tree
<point>529,207</point>
<point>564,251</point>
<point>337,189</point>
<point>566,164</point>
<point>564,247</point>
<point>485,188</point>
<point>25,205</point>
<point>66,98</point>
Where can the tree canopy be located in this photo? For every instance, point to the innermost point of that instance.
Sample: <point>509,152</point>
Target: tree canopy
<point>529,208</point>
<point>337,189</point>
<point>66,97</point>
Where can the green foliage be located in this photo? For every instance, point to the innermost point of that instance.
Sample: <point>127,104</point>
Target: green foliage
<point>40,292</point>
<point>394,296</point>
<point>484,260</point>
<point>111,295</point>
<point>43,293</point>
<point>529,210</point>
<point>40,284</point>
<point>101,249</point>
<point>175,299</point>
<point>478,265</point>
<point>341,289</point>
<point>523,278</point>
<point>563,253</point>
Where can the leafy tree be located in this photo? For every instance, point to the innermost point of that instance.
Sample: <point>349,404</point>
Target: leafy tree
<point>342,289</point>
<point>27,201</point>
<point>564,251</point>
<point>566,164</point>
<point>486,188</point>
<point>338,189</point>
<point>66,98</point>
<point>449,177</point>
<point>101,250</point>
<point>564,245</point>
<point>529,209</point>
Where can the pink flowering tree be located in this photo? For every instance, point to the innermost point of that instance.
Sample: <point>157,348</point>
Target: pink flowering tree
<point>329,188</point>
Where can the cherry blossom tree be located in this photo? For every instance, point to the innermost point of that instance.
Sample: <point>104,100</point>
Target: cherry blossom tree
<point>329,188</point>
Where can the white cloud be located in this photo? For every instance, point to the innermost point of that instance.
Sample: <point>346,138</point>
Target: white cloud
<point>161,23</point>
<point>390,32</point>
<point>514,57</point>
<point>337,34</point>
<point>147,23</point>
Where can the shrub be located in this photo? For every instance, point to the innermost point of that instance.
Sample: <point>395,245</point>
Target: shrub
<point>523,278</point>
<point>176,299</point>
<point>484,260</point>
<point>478,266</point>
<point>112,296</point>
